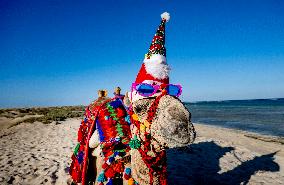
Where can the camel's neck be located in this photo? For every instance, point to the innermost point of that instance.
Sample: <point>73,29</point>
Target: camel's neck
<point>148,161</point>
<point>148,168</point>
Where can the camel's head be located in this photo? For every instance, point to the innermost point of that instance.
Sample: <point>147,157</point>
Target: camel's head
<point>171,126</point>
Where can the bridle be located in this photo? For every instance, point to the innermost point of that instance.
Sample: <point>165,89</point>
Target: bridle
<point>157,163</point>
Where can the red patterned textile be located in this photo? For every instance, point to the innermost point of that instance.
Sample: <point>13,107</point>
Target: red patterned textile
<point>79,158</point>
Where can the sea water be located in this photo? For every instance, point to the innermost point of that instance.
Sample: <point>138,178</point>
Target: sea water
<point>264,116</point>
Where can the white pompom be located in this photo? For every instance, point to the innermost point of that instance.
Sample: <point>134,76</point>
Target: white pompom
<point>165,16</point>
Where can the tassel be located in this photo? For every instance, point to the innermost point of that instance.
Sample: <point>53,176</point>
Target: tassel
<point>135,143</point>
<point>126,177</point>
<point>142,128</point>
<point>102,178</point>
<point>81,157</point>
<point>135,117</point>
<point>128,171</point>
<point>110,182</point>
<point>76,149</point>
<point>131,181</point>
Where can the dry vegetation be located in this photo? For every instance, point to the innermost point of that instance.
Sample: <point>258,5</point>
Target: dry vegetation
<point>48,114</point>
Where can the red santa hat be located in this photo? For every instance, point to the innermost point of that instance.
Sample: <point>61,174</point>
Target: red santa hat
<point>155,68</point>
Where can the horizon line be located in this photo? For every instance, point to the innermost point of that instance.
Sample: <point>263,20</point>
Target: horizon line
<point>199,101</point>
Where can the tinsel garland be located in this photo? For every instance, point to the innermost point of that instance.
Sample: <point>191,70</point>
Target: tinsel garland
<point>155,164</point>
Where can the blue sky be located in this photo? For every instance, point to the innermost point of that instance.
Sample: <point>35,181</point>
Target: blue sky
<point>62,52</point>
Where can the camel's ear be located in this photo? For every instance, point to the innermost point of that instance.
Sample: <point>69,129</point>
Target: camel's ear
<point>126,99</point>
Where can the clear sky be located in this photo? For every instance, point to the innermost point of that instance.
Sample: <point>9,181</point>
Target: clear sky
<point>56,52</point>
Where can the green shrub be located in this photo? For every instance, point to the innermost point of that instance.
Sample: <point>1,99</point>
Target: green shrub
<point>49,114</point>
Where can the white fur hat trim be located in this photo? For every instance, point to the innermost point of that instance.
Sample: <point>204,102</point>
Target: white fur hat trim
<point>157,66</point>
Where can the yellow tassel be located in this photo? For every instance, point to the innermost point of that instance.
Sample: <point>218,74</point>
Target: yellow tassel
<point>130,181</point>
<point>142,128</point>
<point>135,117</point>
<point>147,124</point>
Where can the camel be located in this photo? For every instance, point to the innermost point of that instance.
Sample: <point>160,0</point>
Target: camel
<point>171,127</point>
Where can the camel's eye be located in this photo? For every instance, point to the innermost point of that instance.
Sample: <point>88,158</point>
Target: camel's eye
<point>137,109</point>
<point>140,107</point>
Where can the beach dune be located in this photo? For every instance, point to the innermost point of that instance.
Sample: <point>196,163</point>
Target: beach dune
<point>37,153</point>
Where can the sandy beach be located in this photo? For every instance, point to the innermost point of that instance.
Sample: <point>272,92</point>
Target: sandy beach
<point>37,153</point>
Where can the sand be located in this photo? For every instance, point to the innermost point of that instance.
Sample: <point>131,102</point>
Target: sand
<point>227,156</point>
<point>37,153</point>
<point>40,154</point>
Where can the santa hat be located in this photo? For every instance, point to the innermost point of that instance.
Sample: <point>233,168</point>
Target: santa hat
<point>155,68</point>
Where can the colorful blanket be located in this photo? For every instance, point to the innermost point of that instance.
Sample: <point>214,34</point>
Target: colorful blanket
<point>110,119</point>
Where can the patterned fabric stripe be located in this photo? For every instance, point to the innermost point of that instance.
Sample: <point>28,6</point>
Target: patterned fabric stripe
<point>95,114</point>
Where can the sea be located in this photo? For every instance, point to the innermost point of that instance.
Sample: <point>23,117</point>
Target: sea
<point>263,116</point>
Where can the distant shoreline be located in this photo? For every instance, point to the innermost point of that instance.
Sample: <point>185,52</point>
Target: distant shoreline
<point>242,130</point>
<point>272,100</point>
<point>249,134</point>
<point>186,102</point>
